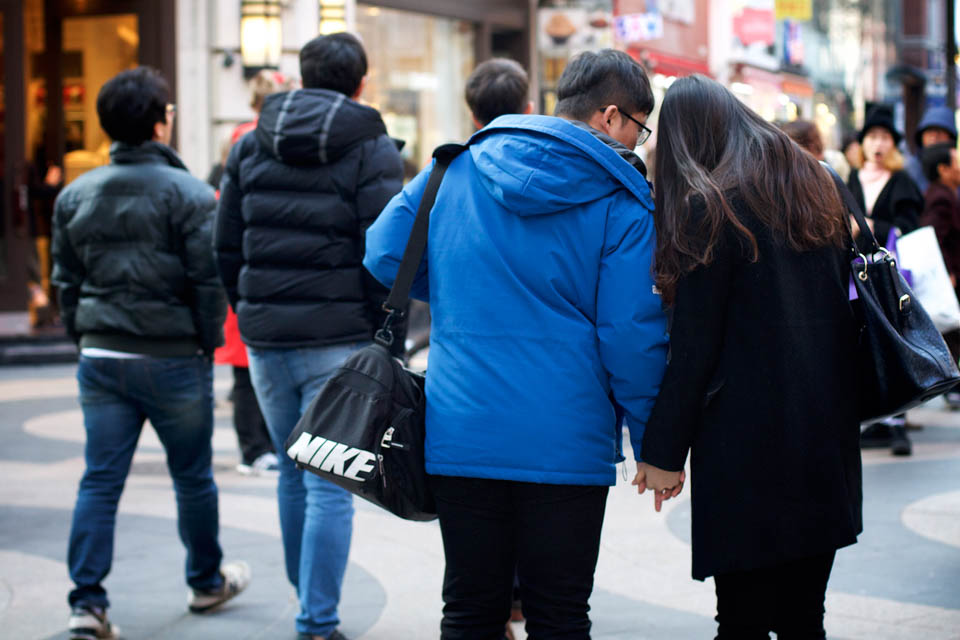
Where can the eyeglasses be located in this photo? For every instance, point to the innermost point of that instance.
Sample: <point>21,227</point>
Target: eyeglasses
<point>644,132</point>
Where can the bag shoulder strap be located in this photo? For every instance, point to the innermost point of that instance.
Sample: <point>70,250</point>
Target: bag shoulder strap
<point>854,209</point>
<point>417,243</point>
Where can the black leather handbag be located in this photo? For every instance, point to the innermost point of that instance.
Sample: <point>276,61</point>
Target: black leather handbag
<point>903,360</point>
<point>364,431</point>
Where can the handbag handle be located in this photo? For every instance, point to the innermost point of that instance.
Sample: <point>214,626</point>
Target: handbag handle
<point>854,209</point>
<point>417,243</point>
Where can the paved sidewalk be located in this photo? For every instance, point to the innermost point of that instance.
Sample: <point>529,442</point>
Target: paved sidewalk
<point>901,581</point>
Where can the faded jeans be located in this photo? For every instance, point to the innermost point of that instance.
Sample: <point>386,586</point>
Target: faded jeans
<point>316,516</point>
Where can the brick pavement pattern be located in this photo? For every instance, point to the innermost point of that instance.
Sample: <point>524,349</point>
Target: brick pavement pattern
<point>901,581</point>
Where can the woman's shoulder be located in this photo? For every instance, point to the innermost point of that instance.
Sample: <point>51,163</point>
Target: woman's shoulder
<point>903,186</point>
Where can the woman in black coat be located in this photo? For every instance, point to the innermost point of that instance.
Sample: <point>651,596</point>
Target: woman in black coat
<point>893,205</point>
<point>761,380</point>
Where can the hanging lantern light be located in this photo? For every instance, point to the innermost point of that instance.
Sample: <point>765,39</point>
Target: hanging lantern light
<point>333,16</point>
<point>261,37</point>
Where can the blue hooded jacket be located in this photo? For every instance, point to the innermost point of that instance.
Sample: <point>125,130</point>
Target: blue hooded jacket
<point>538,274</point>
<point>941,118</point>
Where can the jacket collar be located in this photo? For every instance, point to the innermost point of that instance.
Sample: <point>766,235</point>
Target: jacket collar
<point>585,139</point>
<point>621,149</point>
<point>149,152</point>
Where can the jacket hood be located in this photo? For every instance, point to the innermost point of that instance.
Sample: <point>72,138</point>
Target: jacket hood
<point>314,126</point>
<point>535,165</point>
<point>939,117</point>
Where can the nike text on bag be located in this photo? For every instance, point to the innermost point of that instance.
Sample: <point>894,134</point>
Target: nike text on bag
<point>365,429</point>
<point>364,432</point>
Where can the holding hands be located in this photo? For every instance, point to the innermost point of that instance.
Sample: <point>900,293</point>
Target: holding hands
<point>664,484</point>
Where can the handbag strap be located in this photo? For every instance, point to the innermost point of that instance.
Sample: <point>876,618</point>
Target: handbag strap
<point>854,209</point>
<point>396,303</point>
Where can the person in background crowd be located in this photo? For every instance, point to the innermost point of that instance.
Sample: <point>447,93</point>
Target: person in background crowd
<point>751,259</point>
<point>938,125</point>
<point>44,183</point>
<point>805,134</point>
<point>296,198</point>
<point>850,148</point>
<point>497,87</point>
<point>941,210</point>
<point>139,291</point>
<point>257,455</point>
<point>550,218</point>
<point>892,205</point>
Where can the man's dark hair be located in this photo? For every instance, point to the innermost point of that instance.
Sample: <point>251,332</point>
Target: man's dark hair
<point>336,62</point>
<point>932,157</point>
<point>495,88</point>
<point>131,102</point>
<point>594,80</point>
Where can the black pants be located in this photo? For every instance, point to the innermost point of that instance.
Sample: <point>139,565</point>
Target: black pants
<point>247,420</point>
<point>787,599</point>
<point>548,534</point>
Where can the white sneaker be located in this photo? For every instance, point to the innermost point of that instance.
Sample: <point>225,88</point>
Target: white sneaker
<point>236,578</point>
<point>90,623</point>
<point>266,464</point>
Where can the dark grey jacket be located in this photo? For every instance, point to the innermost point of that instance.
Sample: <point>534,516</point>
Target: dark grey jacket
<point>132,259</point>
<point>296,199</point>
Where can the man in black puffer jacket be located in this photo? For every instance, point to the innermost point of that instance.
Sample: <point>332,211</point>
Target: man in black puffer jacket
<point>296,198</point>
<point>139,290</point>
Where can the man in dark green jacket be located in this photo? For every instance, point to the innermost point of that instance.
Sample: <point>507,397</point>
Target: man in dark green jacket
<point>139,291</point>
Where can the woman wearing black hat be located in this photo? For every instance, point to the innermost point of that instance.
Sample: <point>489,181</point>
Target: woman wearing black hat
<point>893,204</point>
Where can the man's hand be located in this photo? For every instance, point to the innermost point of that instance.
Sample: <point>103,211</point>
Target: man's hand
<point>664,484</point>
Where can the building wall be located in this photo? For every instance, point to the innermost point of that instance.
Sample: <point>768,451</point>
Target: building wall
<point>212,93</point>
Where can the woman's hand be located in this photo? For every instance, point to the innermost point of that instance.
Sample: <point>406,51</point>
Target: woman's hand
<point>664,484</point>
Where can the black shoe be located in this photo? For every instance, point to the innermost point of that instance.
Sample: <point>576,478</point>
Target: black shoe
<point>334,635</point>
<point>952,398</point>
<point>876,436</point>
<point>900,443</point>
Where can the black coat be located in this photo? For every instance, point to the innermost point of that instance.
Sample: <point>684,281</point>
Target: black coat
<point>132,259</point>
<point>899,205</point>
<point>760,386</point>
<point>296,199</point>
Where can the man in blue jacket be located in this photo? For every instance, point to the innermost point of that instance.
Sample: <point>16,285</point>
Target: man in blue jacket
<point>538,274</point>
<point>937,125</point>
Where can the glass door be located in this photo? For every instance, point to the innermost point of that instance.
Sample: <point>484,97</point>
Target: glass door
<point>95,49</point>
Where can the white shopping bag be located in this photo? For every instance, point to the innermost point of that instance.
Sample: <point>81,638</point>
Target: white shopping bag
<point>919,252</point>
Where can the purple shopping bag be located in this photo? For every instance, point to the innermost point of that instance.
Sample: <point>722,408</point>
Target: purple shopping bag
<point>891,246</point>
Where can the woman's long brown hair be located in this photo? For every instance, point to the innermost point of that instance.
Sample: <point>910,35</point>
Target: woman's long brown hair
<point>710,146</point>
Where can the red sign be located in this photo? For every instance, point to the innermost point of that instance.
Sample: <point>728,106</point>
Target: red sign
<point>754,25</point>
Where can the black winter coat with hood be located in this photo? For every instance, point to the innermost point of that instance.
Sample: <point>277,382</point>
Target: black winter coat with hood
<point>132,259</point>
<point>296,199</point>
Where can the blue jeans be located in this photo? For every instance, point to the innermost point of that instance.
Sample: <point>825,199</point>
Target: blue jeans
<point>116,396</point>
<point>316,516</point>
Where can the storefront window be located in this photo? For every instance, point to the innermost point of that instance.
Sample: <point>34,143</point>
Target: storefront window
<point>94,50</point>
<point>418,65</point>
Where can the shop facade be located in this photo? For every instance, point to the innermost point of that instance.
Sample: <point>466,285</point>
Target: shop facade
<point>55,56</point>
<point>420,54</point>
